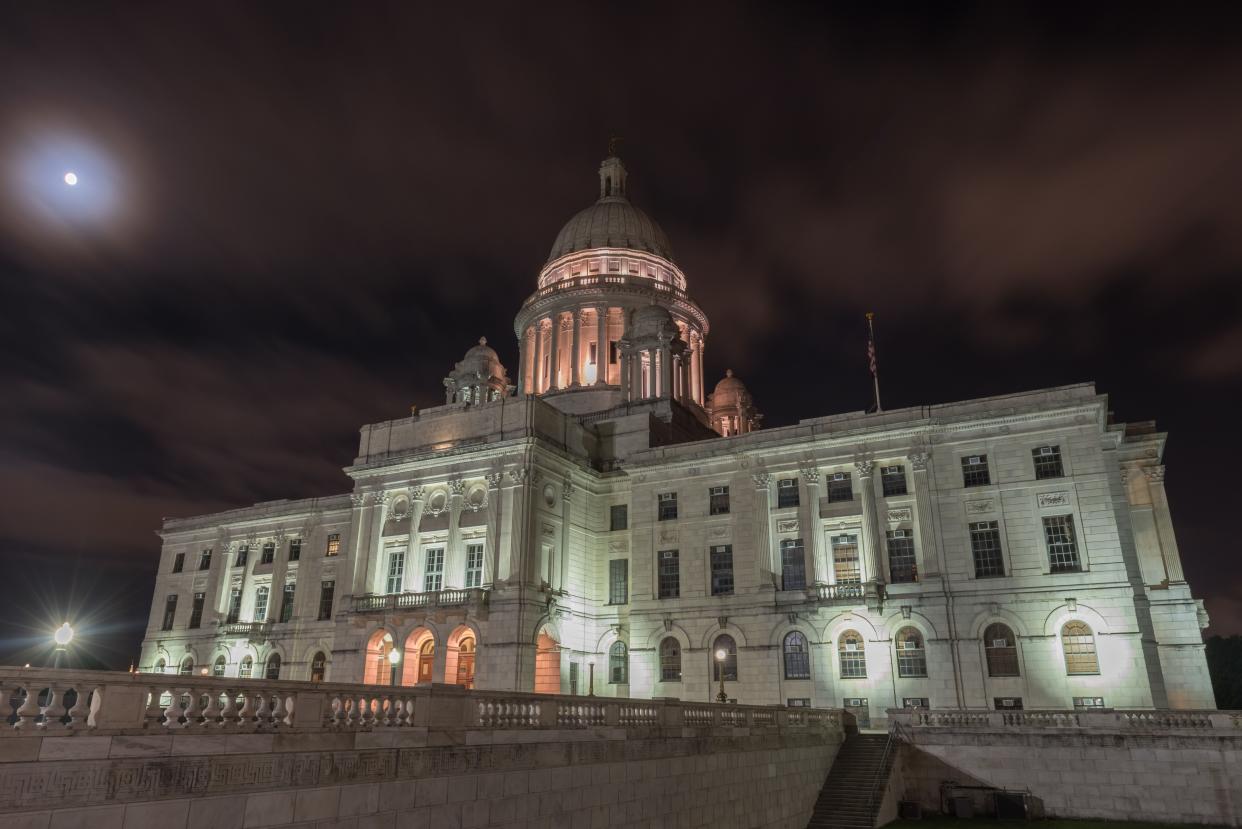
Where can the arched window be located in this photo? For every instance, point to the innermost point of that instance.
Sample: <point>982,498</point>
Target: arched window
<point>607,185</point>
<point>670,660</point>
<point>272,669</point>
<point>160,666</point>
<point>246,669</point>
<point>853,655</point>
<point>797,657</point>
<point>1079,645</point>
<point>465,661</point>
<point>724,642</point>
<point>319,667</point>
<point>1001,649</point>
<point>217,668</point>
<point>187,666</point>
<point>618,664</point>
<point>911,657</point>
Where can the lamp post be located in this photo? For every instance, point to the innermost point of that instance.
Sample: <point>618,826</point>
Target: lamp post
<point>591,677</point>
<point>62,637</point>
<point>394,659</point>
<point>721,655</point>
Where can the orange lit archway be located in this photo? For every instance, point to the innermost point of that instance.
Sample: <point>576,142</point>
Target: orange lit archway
<point>419,657</point>
<point>379,667</point>
<point>459,657</point>
<point>547,665</point>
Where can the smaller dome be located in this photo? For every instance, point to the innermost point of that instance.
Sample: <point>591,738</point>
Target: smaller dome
<point>653,321</point>
<point>482,351</point>
<point>730,391</point>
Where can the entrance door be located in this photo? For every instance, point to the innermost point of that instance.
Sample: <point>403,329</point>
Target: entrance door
<point>547,665</point>
<point>465,662</point>
<point>860,709</point>
<point>426,660</point>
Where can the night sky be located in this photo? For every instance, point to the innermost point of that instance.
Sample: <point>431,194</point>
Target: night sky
<point>292,222</point>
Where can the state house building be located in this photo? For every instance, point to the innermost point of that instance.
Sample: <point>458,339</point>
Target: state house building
<point>598,515</point>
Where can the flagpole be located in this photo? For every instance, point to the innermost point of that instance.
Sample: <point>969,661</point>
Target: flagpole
<point>875,374</point>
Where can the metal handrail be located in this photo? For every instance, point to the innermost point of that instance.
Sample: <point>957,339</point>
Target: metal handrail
<point>879,772</point>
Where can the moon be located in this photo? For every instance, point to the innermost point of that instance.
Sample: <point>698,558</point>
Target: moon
<point>71,178</point>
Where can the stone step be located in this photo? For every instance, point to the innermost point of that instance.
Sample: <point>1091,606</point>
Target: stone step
<point>845,801</point>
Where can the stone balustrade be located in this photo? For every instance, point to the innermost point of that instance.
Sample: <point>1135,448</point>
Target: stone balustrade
<point>46,701</point>
<point>839,592</point>
<point>1142,721</point>
<point>382,603</point>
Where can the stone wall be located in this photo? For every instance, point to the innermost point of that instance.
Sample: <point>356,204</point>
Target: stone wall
<point>1165,767</point>
<point>297,755</point>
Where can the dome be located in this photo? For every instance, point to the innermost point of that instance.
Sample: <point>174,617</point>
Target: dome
<point>612,222</point>
<point>651,321</point>
<point>730,392</point>
<point>481,361</point>
<point>483,351</point>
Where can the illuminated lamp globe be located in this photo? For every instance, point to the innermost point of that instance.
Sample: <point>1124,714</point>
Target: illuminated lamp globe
<point>721,654</point>
<point>63,635</point>
<point>394,656</point>
<point>71,178</point>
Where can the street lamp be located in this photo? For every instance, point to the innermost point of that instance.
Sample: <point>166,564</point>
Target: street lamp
<point>394,658</point>
<point>591,675</point>
<point>721,655</point>
<point>62,637</point>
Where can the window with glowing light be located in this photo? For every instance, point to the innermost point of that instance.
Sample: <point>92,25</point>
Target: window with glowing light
<point>334,545</point>
<point>319,667</point>
<point>1078,644</point>
<point>845,564</point>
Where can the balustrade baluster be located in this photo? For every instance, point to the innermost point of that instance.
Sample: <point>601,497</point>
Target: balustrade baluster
<point>54,710</point>
<point>247,713</point>
<point>79,714</point>
<point>228,713</point>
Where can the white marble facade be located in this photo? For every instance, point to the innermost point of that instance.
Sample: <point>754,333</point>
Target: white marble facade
<point>603,520</point>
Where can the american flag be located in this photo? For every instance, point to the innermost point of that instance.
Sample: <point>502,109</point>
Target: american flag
<point>871,346</point>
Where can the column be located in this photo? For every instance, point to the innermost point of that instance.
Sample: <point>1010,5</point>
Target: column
<point>536,382</point>
<point>666,372</point>
<point>454,564</point>
<point>491,558</point>
<point>927,550</point>
<point>767,571</point>
<point>875,558</point>
<point>699,371</point>
<point>696,381</point>
<point>1164,524</point>
<point>575,351</point>
<point>555,350</point>
<point>358,554</point>
<point>813,533</point>
<point>687,393</point>
<point>601,347</point>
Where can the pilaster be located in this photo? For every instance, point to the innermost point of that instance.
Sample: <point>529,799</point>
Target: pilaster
<point>1164,524</point>
<point>575,353</point>
<point>491,560</point>
<point>927,551</point>
<point>767,572</point>
<point>601,347</point>
<point>537,369</point>
<point>812,532</point>
<point>871,532</point>
<point>454,556</point>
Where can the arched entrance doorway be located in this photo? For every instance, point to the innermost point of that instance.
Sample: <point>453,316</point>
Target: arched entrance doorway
<point>426,660</point>
<point>418,657</point>
<point>459,657</point>
<point>380,668</point>
<point>547,665</point>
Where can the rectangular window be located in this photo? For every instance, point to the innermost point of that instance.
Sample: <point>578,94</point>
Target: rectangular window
<point>286,601</point>
<point>985,546</point>
<point>845,559</point>
<point>234,606</point>
<point>334,545</point>
<point>295,549</point>
<point>1062,546</point>
<point>793,565</point>
<point>893,480</point>
<point>853,656</point>
<point>170,612</point>
<point>1047,462</point>
<point>798,702</point>
<point>618,581</point>
<point>1007,703</point>
<point>718,500</point>
<point>975,471</point>
<point>474,565</point>
<point>433,575</point>
<point>618,517</point>
<point>260,604</point>
<point>396,572</point>
<point>840,488</point>
<point>196,610</point>
<point>667,502</point>
<point>722,569</point>
<point>914,702</point>
<point>669,574</point>
<point>178,562</point>
<point>326,591</point>
<point>1088,703</point>
<point>901,565</point>
<point>612,352</point>
<point>269,553</point>
<point>243,553</point>
<point>204,560</point>
<point>787,493</point>
<point>573,678</point>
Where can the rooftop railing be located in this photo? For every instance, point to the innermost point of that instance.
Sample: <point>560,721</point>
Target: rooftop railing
<point>47,701</point>
<point>404,601</point>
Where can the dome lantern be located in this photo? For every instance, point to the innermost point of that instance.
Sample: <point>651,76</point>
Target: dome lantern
<point>731,409</point>
<point>477,378</point>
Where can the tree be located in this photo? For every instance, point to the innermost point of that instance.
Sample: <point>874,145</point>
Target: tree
<point>1224,660</point>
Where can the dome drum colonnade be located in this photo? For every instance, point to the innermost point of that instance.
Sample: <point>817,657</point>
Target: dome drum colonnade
<point>611,312</point>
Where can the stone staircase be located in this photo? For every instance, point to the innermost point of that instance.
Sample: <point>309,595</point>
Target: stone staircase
<point>845,800</point>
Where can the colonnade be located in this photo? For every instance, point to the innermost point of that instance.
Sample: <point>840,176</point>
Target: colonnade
<point>575,349</point>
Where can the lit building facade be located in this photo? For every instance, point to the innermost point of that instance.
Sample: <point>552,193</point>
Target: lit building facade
<point>598,521</point>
